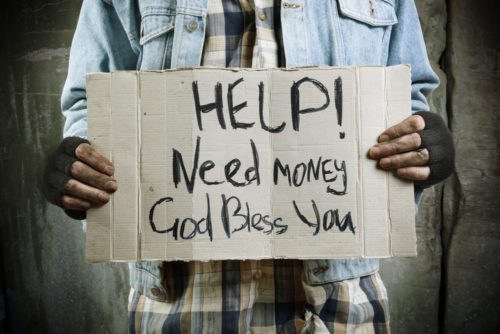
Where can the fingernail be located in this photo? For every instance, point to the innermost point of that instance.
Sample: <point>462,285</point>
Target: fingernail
<point>104,197</point>
<point>385,162</point>
<point>374,152</point>
<point>110,170</point>
<point>111,186</point>
<point>402,171</point>
<point>383,138</point>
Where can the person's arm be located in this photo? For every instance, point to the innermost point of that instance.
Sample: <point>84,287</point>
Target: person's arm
<point>77,176</point>
<point>100,44</point>
<point>408,148</point>
<point>407,46</point>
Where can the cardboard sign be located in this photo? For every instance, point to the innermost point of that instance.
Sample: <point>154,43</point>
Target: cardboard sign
<point>218,164</point>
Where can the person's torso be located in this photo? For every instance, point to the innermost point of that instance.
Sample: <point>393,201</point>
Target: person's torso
<point>315,33</point>
<point>171,34</point>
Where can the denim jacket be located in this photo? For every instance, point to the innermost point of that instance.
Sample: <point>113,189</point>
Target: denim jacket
<point>157,34</point>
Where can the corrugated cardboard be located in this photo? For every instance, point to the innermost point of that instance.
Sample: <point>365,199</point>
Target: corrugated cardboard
<point>333,203</point>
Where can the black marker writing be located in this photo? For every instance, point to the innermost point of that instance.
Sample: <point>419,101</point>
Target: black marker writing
<point>251,175</point>
<point>327,169</point>
<point>342,169</point>
<point>295,100</point>
<point>261,113</point>
<point>258,221</point>
<point>330,219</point>
<point>203,109</point>
<point>187,224</point>
<point>177,163</point>
<point>338,103</point>
<point>234,109</point>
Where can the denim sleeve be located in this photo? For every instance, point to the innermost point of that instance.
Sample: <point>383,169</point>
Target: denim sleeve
<point>100,44</point>
<point>407,46</point>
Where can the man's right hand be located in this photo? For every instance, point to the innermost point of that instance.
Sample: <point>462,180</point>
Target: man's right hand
<point>77,177</point>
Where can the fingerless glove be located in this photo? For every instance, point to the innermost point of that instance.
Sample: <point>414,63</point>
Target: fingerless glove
<point>57,173</point>
<point>436,138</point>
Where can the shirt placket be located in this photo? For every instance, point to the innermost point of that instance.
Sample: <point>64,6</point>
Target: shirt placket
<point>266,46</point>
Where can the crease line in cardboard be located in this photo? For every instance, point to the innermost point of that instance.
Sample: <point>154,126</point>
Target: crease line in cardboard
<point>112,204</point>
<point>388,207</point>
<point>194,77</point>
<point>138,165</point>
<point>359,187</point>
<point>271,154</point>
<point>165,141</point>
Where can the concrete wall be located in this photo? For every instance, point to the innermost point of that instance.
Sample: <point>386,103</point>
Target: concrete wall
<point>471,204</point>
<point>414,284</point>
<point>451,287</point>
<point>47,286</point>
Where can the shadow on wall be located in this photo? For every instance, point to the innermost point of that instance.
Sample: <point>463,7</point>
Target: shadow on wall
<point>46,285</point>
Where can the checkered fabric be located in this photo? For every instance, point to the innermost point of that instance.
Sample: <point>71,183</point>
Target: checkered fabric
<point>243,33</point>
<point>267,296</point>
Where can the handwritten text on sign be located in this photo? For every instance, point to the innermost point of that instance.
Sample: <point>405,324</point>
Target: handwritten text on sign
<point>224,164</point>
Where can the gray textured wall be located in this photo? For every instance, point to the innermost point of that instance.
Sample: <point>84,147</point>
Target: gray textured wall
<point>47,286</point>
<point>450,288</point>
<point>472,198</point>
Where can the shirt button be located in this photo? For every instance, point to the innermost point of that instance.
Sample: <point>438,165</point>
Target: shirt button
<point>192,25</point>
<point>257,275</point>
<point>156,292</point>
<point>262,16</point>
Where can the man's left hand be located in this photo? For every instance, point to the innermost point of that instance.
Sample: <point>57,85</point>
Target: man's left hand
<point>398,149</point>
<point>420,148</point>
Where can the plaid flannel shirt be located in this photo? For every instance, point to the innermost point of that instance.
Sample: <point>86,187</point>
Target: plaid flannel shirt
<point>268,296</point>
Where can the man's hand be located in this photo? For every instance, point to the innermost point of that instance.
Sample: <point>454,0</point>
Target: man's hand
<point>398,149</point>
<point>420,148</point>
<point>77,177</point>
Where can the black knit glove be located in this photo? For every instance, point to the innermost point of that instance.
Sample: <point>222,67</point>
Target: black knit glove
<point>57,173</point>
<point>436,138</point>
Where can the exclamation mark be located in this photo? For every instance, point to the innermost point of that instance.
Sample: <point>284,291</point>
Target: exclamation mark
<point>338,104</point>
